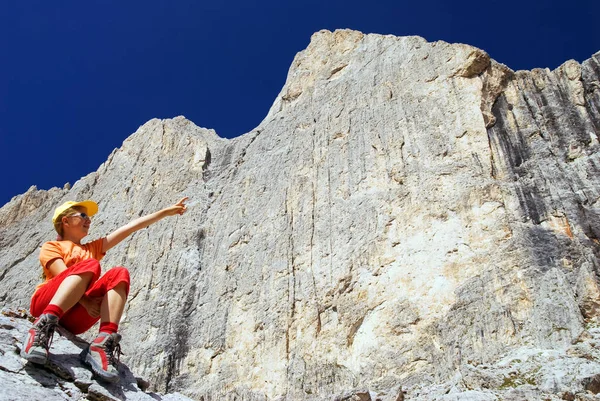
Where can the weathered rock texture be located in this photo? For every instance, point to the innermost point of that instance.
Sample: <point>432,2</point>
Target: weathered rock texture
<point>408,214</point>
<point>64,377</point>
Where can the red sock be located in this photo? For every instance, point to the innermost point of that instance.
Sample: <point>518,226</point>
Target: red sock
<point>54,310</point>
<point>108,327</point>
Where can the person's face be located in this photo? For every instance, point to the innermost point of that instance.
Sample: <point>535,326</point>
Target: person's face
<point>77,223</point>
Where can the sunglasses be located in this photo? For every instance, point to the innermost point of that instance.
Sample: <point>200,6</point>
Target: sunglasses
<point>82,215</point>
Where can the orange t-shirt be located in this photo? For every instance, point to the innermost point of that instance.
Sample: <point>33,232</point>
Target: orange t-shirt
<point>70,253</point>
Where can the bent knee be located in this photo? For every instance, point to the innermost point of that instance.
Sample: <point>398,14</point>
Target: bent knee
<point>119,273</point>
<point>94,268</point>
<point>120,270</point>
<point>120,276</point>
<point>87,266</point>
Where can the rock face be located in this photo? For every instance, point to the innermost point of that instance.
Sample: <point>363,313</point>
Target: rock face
<point>408,214</point>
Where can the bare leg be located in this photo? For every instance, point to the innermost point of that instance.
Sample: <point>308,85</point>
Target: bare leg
<point>113,304</point>
<point>71,290</point>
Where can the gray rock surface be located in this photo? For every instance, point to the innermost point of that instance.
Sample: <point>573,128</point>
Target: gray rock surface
<point>407,214</point>
<point>63,377</point>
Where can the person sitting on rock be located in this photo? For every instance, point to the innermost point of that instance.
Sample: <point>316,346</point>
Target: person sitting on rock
<point>74,295</point>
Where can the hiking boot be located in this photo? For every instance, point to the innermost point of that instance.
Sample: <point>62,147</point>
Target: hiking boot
<point>102,356</point>
<point>39,337</point>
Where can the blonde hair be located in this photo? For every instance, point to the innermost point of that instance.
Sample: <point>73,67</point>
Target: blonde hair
<point>58,222</point>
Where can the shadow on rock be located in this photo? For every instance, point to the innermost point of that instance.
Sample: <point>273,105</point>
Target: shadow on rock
<point>39,373</point>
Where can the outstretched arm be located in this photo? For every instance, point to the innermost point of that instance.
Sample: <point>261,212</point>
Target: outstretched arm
<point>121,233</point>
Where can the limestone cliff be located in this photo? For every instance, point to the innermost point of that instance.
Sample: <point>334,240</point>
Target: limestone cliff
<point>408,214</point>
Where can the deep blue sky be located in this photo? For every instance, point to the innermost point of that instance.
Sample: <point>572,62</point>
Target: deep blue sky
<point>78,77</point>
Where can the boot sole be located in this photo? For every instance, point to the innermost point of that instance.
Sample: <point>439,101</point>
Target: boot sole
<point>34,358</point>
<point>96,369</point>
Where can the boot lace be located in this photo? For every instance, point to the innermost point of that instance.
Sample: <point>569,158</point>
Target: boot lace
<point>44,333</point>
<point>112,348</point>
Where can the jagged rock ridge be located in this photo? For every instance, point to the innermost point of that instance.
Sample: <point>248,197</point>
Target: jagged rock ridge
<point>408,213</point>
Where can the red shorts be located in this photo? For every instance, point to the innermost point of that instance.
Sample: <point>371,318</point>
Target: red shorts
<point>76,319</point>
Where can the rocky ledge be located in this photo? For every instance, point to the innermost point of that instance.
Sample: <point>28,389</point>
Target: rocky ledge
<point>64,377</point>
<point>569,374</point>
